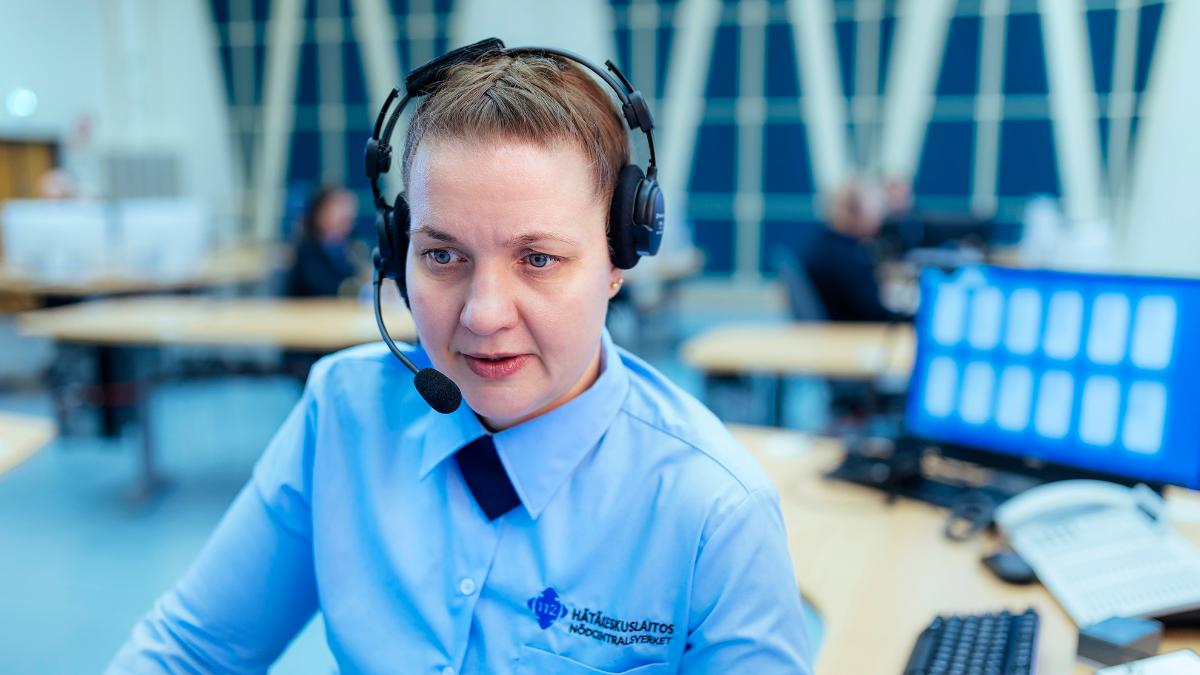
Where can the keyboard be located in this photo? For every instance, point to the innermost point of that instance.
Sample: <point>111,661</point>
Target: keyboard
<point>1112,563</point>
<point>998,643</point>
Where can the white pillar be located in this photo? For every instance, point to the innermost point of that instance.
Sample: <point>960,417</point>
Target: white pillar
<point>278,110</point>
<point>822,97</point>
<point>375,29</point>
<point>1073,108</point>
<point>1163,232</point>
<point>917,49</point>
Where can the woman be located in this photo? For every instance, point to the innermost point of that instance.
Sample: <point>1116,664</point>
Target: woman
<point>623,529</point>
<point>322,263</point>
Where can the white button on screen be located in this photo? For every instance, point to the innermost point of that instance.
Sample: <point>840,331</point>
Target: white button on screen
<point>1144,417</point>
<point>986,308</point>
<point>1110,325</point>
<point>1099,410</point>
<point>1153,332</point>
<point>1024,320</point>
<point>1015,399</point>
<point>948,314</point>
<point>979,381</point>
<point>1063,319</point>
<point>1054,400</point>
<point>940,387</point>
<point>466,586</point>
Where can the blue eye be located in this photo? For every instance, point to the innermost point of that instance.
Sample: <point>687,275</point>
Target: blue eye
<point>441,256</point>
<point>540,259</point>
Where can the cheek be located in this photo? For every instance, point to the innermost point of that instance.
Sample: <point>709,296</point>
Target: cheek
<point>435,314</point>
<point>570,318</point>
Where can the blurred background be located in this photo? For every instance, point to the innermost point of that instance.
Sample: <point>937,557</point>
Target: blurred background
<point>186,224</point>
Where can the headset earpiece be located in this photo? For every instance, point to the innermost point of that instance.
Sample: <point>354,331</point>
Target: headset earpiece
<point>398,239</point>
<point>635,220</point>
<point>648,212</point>
<point>621,244</point>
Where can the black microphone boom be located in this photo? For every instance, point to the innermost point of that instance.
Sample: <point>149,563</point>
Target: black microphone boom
<point>438,390</point>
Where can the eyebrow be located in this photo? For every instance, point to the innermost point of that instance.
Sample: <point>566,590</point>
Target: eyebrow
<point>519,241</point>
<point>528,238</point>
<point>434,233</point>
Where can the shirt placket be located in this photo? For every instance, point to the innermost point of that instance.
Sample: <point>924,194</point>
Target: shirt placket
<point>471,563</point>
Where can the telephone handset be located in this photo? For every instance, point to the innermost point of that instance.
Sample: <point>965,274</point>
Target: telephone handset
<point>1063,500</point>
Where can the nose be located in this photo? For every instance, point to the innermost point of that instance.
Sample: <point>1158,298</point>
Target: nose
<point>490,304</point>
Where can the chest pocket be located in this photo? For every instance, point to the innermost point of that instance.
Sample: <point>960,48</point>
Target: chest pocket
<point>537,662</point>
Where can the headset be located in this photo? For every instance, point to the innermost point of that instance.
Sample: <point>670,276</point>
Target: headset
<point>635,222</point>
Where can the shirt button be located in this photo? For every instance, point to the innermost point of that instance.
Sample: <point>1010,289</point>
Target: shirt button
<point>447,671</point>
<point>466,586</point>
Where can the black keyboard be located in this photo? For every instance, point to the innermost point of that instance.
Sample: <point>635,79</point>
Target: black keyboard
<point>999,643</point>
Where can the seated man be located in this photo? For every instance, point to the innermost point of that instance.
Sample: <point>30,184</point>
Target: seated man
<point>840,260</point>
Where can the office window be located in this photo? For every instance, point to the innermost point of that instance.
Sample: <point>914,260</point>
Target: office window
<point>782,78</point>
<point>1028,163</point>
<point>1025,62</point>
<point>786,167</point>
<point>1102,31</point>
<point>1150,16</point>
<point>959,75</point>
<point>715,238</point>
<point>947,160</point>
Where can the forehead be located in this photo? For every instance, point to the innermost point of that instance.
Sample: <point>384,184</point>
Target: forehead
<point>503,187</point>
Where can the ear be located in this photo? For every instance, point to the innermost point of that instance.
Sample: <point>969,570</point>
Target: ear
<point>616,277</point>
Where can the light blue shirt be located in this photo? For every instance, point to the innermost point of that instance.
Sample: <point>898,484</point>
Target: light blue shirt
<point>647,541</point>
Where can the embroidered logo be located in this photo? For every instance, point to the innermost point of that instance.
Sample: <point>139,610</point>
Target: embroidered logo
<point>547,608</point>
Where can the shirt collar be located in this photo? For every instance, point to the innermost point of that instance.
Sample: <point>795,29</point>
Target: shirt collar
<point>538,454</point>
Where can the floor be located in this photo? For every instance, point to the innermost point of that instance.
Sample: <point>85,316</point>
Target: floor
<point>80,562</point>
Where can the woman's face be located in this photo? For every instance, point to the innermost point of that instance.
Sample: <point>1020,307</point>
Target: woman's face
<point>336,217</point>
<point>508,272</point>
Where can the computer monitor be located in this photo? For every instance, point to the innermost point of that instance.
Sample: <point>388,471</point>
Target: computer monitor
<point>1092,372</point>
<point>55,240</point>
<point>161,238</point>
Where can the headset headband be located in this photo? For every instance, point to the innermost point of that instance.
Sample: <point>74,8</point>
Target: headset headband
<point>426,79</point>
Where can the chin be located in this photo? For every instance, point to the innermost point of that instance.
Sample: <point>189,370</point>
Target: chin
<point>498,410</point>
<point>498,405</point>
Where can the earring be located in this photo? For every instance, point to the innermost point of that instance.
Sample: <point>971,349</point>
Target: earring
<point>616,285</point>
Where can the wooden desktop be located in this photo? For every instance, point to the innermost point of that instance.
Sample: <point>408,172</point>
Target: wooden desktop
<point>852,351</point>
<point>877,573</point>
<point>21,436</point>
<point>318,324</point>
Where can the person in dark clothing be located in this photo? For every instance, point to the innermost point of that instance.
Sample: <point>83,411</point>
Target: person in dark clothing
<point>840,262</point>
<point>322,264</point>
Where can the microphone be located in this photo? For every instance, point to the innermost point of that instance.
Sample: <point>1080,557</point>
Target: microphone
<point>438,390</point>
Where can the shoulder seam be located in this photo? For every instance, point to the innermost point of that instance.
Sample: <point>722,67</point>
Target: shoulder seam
<point>746,500</point>
<point>693,445</point>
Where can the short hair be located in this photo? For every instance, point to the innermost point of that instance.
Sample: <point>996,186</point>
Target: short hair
<point>542,99</point>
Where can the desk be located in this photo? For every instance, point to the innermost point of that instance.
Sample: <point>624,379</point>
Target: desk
<point>851,351</point>
<point>317,325</point>
<point>865,352</point>
<point>21,436</point>
<point>232,266</point>
<point>878,574</point>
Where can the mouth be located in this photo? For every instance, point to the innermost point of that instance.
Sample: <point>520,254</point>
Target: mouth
<point>496,366</point>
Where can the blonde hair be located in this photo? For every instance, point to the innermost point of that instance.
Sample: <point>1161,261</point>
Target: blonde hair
<point>542,99</point>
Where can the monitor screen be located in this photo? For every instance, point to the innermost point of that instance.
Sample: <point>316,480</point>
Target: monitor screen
<point>1091,371</point>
